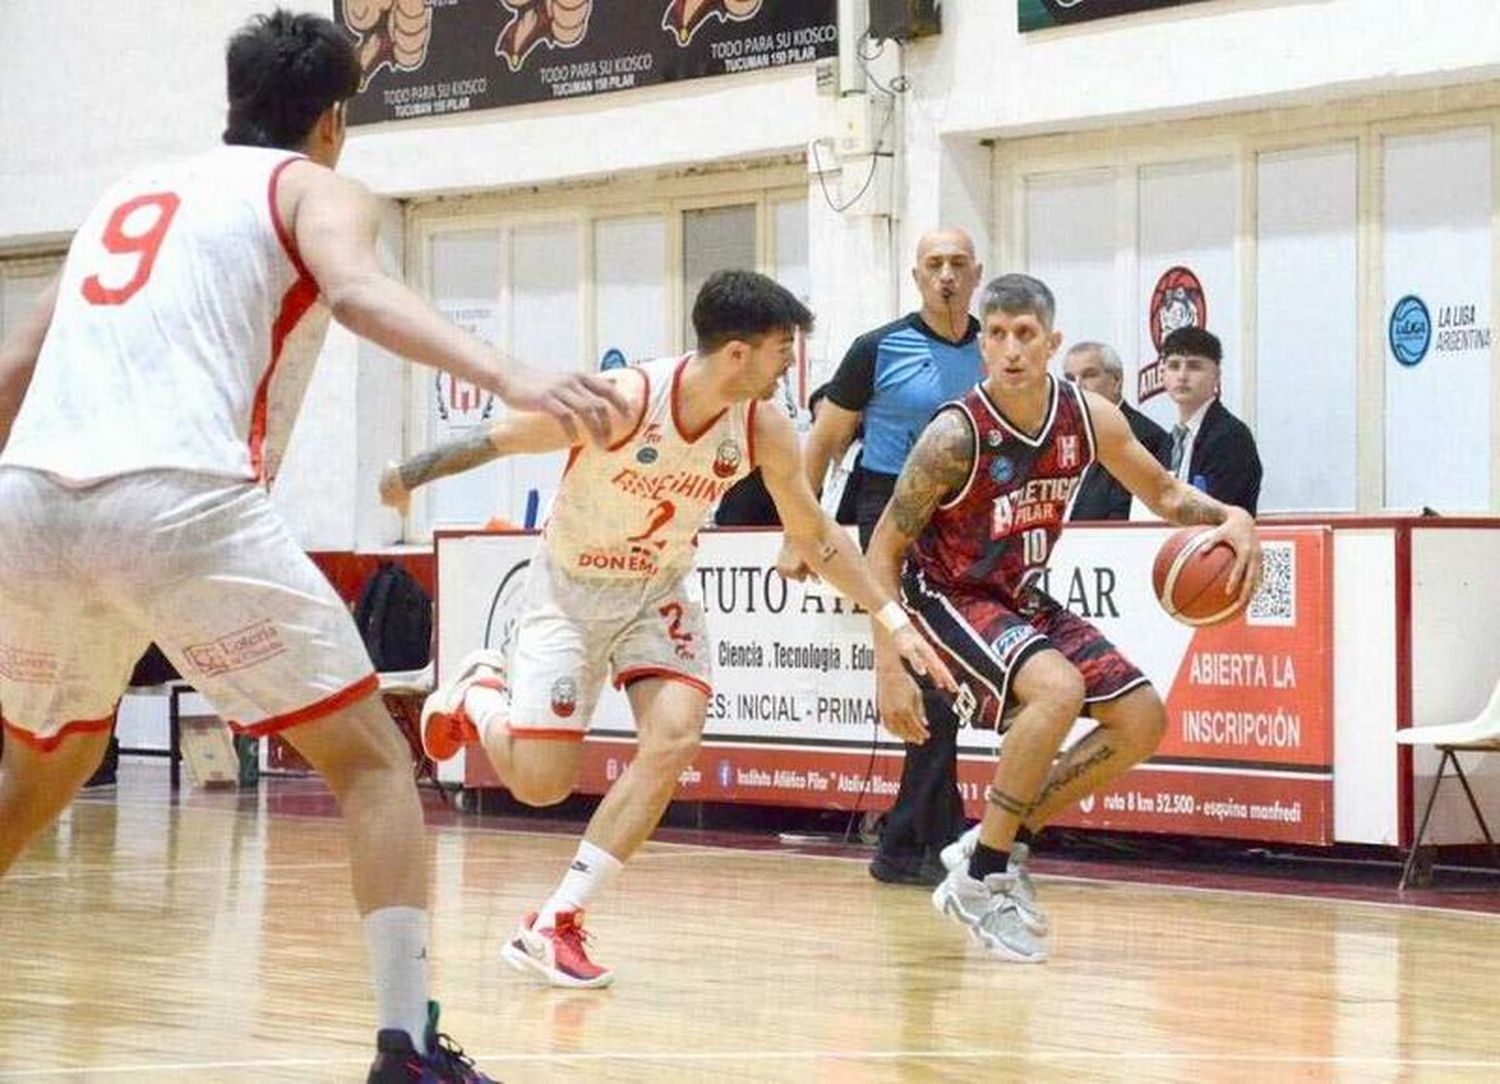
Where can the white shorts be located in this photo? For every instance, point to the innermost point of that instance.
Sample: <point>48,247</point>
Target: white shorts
<point>573,633</point>
<point>203,566</point>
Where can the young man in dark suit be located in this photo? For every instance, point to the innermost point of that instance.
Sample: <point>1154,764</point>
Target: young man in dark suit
<point>1209,447</point>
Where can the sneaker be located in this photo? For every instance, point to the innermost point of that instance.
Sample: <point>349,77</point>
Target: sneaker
<point>957,854</point>
<point>446,726</point>
<point>398,1062</point>
<point>556,954</point>
<point>988,910</point>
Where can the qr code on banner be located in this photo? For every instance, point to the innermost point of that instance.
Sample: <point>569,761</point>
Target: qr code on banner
<point>1275,603</point>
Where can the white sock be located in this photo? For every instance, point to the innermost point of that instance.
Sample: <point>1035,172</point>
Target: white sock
<point>487,708</point>
<point>592,869</point>
<point>397,941</point>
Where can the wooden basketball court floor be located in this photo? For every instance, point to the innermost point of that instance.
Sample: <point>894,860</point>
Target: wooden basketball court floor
<point>212,938</point>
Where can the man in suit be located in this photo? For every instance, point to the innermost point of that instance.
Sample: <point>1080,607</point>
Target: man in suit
<point>1209,447</point>
<point>1096,367</point>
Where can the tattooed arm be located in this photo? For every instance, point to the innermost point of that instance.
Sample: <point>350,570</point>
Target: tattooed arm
<point>516,434</point>
<point>1170,498</point>
<point>823,544</point>
<point>937,468</point>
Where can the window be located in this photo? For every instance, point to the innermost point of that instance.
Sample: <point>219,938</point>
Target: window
<point>1350,281</point>
<point>21,283</point>
<point>608,281</point>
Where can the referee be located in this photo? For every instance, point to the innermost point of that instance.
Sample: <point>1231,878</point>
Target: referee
<point>890,382</point>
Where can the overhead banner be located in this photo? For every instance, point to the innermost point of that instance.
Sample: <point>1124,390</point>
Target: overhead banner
<point>425,58</point>
<point>1248,752</point>
<point>1040,14</point>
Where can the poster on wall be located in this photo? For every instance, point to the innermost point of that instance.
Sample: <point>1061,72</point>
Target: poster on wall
<point>1187,274</point>
<point>792,719</point>
<point>1439,262</point>
<point>1040,14</point>
<point>425,58</point>
<point>456,405</point>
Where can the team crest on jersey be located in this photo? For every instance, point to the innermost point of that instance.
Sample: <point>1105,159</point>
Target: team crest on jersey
<point>1003,469</point>
<point>564,697</point>
<point>647,456</point>
<point>726,459</point>
<point>1067,452</point>
<point>994,438</point>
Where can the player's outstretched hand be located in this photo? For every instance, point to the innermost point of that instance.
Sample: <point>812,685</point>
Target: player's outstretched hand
<point>571,398</point>
<point>921,657</point>
<point>791,565</point>
<point>1240,534</point>
<point>393,491</point>
<point>899,704</point>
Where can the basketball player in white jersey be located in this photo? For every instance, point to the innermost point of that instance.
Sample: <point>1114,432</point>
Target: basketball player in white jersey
<point>160,377</point>
<point>609,594</point>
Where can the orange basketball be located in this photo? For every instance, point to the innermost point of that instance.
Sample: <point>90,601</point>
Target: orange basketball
<point>1189,579</point>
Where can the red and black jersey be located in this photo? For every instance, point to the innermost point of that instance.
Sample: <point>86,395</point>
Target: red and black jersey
<point>998,530</point>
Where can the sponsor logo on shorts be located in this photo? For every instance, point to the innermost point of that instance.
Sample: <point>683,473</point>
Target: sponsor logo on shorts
<point>965,704</point>
<point>1011,639</point>
<point>27,667</point>
<point>726,459</point>
<point>238,650</point>
<point>564,697</point>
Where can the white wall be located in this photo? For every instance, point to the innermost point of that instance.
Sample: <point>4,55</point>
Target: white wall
<point>1214,57</point>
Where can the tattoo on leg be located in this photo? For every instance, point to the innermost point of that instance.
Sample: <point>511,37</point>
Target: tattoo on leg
<point>1004,802</point>
<point>1075,771</point>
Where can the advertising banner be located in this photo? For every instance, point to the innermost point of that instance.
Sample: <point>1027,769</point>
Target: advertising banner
<point>1248,751</point>
<point>425,58</point>
<point>1040,14</point>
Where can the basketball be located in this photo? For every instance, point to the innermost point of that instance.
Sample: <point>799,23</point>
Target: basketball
<point>1189,579</point>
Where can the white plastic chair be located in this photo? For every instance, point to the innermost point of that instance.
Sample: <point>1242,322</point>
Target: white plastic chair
<point>1480,734</point>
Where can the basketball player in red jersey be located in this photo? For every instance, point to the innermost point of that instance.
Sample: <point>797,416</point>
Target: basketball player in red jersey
<point>976,510</point>
<point>160,377</point>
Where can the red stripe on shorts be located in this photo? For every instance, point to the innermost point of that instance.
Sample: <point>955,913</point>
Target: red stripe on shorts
<point>49,744</point>
<point>640,673</point>
<point>313,712</point>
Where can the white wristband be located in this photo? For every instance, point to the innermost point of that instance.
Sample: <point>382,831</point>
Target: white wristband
<point>892,616</point>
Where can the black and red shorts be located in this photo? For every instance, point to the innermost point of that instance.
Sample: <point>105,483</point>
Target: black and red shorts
<point>986,637</point>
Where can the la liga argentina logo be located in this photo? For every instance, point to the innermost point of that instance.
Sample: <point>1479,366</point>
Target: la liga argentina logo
<point>1410,331</point>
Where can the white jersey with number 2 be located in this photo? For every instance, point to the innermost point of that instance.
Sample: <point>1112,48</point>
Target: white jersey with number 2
<point>631,512</point>
<point>185,330</point>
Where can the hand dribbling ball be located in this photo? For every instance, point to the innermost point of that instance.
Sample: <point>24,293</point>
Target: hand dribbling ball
<point>1190,578</point>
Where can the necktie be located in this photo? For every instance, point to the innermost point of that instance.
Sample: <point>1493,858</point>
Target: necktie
<point>1179,441</point>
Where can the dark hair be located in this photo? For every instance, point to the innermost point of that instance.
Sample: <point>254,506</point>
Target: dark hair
<point>1016,295</point>
<point>746,306</point>
<point>1193,342</point>
<point>284,71</point>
